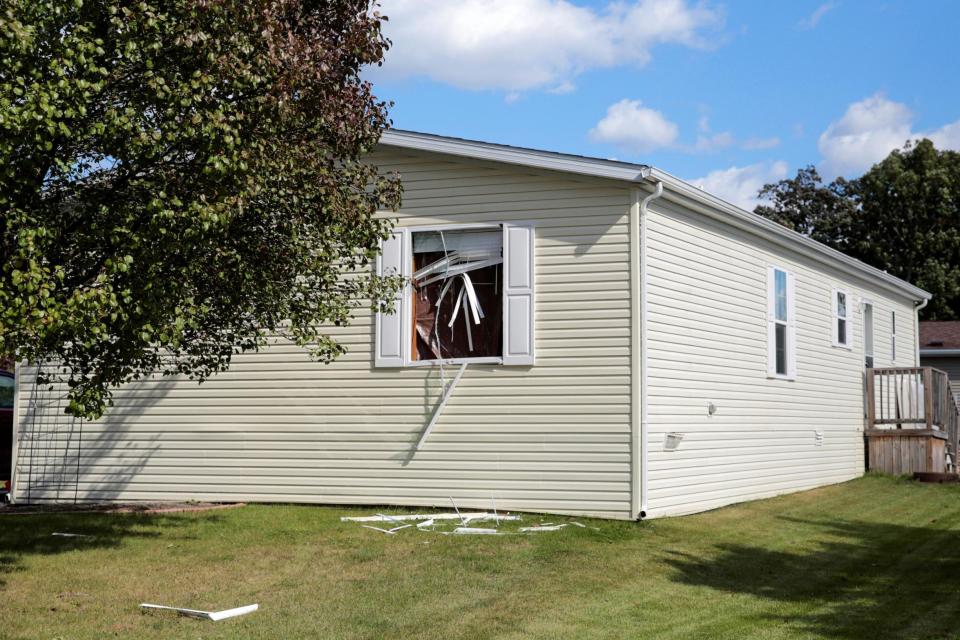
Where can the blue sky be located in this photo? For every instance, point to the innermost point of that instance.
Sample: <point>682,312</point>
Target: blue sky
<point>728,95</point>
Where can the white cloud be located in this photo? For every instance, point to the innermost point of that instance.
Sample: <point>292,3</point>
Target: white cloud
<point>869,130</point>
<point>713,142</point>
<point>758,144</point>
<point>739,185</point>
<point>518,45</point>
<point>947,136</point>
<point>633,127</point>
<point>814,18</point>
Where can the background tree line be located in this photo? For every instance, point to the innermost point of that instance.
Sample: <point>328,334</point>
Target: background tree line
<point>902,216</point>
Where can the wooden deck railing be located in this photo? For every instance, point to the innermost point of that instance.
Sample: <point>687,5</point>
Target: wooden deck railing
<point>913,398</point>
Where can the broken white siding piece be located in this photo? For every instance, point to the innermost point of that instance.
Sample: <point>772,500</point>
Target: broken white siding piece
<point>387,531</point>
<point>390,531</point>
<point>425,524</point>
<point>476,531</point>
<point>470,516</point>
<point>71,535</point>
<point>439,410</point>
<point>555,527</point>
<point>205,615</point>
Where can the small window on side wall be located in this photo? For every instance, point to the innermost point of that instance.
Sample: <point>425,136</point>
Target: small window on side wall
<point>842,312</point>
<point>781,324</point>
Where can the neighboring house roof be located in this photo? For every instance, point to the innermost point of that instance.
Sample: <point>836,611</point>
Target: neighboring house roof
<point>940,338</point>
<point>674,188</point>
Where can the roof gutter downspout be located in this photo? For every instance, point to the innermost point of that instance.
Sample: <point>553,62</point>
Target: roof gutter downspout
<point>639,376</point>
<point>916,329</point>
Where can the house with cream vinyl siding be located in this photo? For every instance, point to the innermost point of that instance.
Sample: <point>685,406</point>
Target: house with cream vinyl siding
<point>576,336</point>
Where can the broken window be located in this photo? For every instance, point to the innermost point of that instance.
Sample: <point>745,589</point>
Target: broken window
<point>469,296</point>
<point>457,296</point>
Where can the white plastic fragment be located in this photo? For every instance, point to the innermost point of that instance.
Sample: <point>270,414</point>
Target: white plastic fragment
<point>448,391</point>
<point>556,527</point>
<point>468,516</point>
<point>476,531</point>
<point>71,535</point>
<point>462,521</point>
<point>425,524</point>
<point>205,615</point>
<point>388,531</point>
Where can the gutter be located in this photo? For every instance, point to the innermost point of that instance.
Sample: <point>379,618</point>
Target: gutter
<point>550,160</point>
<point>918,307</point>
<point>713,207</point>
<point>640,372</point>
<point>939,353</point>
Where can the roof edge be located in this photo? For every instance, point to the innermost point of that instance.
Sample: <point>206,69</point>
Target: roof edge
<point>710,204</point>
<point>516,155</point>
<point>783,236</point>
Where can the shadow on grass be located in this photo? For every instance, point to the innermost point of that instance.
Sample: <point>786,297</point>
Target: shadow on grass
<point>855,580</point>
<point>22,536</point>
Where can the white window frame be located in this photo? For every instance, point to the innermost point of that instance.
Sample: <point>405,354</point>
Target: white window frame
<point>835,318</point>
<point>789,324</point>
<point>893,337</point>
<point>405,299</point>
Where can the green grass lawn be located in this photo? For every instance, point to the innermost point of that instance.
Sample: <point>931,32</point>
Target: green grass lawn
<point>874,558</point>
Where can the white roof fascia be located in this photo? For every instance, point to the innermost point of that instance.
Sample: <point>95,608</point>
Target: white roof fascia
<point>516,155</point>
<point>778,234</point>
<point>709,205</point>
<point>939,353</point>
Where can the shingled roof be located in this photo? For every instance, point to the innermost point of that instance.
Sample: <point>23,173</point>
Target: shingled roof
<point>940,334</point>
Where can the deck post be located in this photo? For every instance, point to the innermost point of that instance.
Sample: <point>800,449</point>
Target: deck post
<point>928,396</point>
<point>871,403</point>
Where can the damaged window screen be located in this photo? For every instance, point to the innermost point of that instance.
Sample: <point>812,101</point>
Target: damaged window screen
<point>457,299</point>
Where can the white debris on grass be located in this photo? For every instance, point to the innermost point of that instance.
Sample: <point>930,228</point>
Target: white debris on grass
<point>476,531</point>
<point>468,517</point>
<point>203,615</point>
<point>461,521</point>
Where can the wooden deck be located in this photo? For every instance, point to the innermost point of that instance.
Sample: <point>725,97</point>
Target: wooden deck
<point>913,421</point>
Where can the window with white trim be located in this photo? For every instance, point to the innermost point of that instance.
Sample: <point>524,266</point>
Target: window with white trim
<point>893,336</point>
<point>468,296</point>
<point>842,313</point>
<point>781,324</point>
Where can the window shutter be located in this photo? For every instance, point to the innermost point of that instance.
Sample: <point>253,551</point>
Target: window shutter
<point>791,326</point>
<point>518,294</point>
<point>389,348</point>
<point>771,324</point>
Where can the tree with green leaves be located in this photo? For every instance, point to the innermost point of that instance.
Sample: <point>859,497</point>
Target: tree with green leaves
<point>181,179</point>
<point>902,216</point>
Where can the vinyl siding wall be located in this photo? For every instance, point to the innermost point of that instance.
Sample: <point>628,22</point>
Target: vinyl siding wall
<point>278,427</point>
<point>707,302</point>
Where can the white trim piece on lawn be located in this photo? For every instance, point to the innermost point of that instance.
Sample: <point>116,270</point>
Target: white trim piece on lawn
<point>204,615</point>
<point>479,515</point>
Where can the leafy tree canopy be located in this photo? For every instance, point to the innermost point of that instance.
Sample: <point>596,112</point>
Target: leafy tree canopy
<point>180,179</point>
<point>902,216</point>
